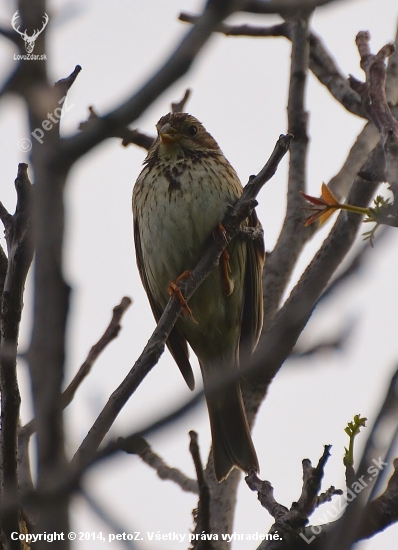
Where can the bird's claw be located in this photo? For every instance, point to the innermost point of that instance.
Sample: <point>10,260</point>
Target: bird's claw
<point>222,230</point>
<point>174,290</point>
<point>228,284</point>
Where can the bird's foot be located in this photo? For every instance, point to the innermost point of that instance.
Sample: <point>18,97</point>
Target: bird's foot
<point>185,275</point>
<point>174,290</point>
<point>222,230</point>
<point>228,284</point>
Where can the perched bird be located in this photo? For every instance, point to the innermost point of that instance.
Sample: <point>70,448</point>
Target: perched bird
<point>181,195</point>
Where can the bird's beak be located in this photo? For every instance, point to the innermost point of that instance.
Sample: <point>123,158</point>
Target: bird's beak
<point>168,134</point>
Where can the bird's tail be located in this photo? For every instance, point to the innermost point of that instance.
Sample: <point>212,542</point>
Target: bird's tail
<point>232,442</point>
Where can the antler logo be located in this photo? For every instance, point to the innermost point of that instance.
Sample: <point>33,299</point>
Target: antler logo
<point>29,40</point>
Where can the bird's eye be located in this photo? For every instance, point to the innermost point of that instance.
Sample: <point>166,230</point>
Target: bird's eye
<point>192,130</point>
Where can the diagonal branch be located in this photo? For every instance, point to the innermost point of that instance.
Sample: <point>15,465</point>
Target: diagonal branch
<point>137,445</point>
<point>129,135</point>
<point>329,74</point>
<point>277,342</point>
<point>110,334</point>
<point>382,511</point>
<point>284,7</point>
<point>156,343</point>
<point>321,62</point>
<point>175,67</point>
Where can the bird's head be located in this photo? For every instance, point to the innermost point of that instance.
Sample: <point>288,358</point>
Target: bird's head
<point>182,132</point>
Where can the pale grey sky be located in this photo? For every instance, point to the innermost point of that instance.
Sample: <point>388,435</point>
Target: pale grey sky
<point>239,93</point>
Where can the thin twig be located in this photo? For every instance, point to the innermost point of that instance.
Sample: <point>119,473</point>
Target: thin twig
<point>178,106</point>
<point>111,332</point>
<point>175,67</point>
<point>328,343</point>
<point>134,136</point>
<point>321,61</point>
<point>290,522</point>
<point>126,134</point>
<point>373,91</point>
<point>64,85</point>
<point>139,446</point>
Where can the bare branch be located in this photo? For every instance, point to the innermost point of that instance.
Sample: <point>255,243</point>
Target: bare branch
<point>114,524</point>
<point>284,7</point>
<point>383,511</point>
<point>63,86</point>
<point>328,343</point>
<point>373,92</point>
<point>373,95</point>
<point>71,478</point>
<point>202,513</point>
<point>3,266</point>
<point>294,234</point>
<point>129,135</point>
<point>321,61</point>
<point>366,141</point>
<point>139,446</point>
<point>126,134</point>
<point>277,342</point>
<point>110,334</point>
<point>178,107</point>
<point>327,495</point>
<point>329,74</point>
<point>175,67</point>
<point>265,494</point>
<point>289,523</point>
<point>20,254</point>
<point>25,476</point>
<point>312,478</point>
<point>283,29</point>
<point>392,75</point>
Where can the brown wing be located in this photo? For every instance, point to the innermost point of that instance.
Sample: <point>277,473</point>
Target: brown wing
<point>253,308</point>
<point>176,343</point>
